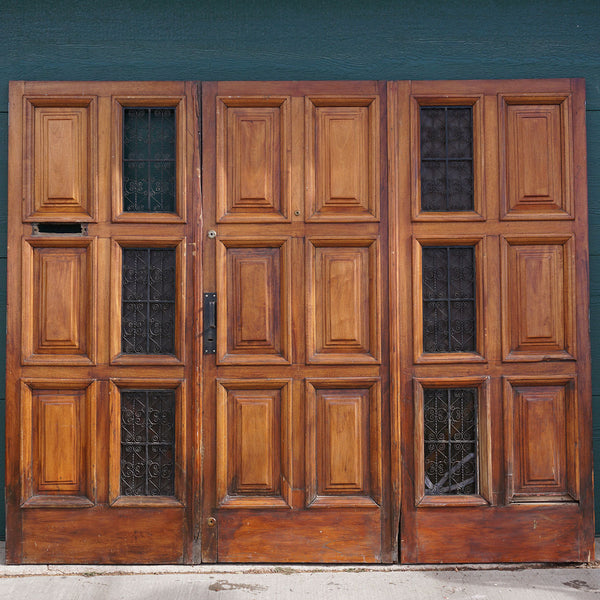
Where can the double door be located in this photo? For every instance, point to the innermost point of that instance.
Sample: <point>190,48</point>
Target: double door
<point>297,322</point>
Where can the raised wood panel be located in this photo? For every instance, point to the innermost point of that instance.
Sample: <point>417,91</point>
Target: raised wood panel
<point>252,160</point>
<point>61,142</point>
<point>541,462</point>
<point>58,444</point>
<point>253,438</point>
<point>253,294</point>
<point>342,160</point>
<point>538,299</point>
<point>58,456</point>
<point>343,313</point>
<point>343,444</point>
<point>58,301</point>
<point>537,157</point>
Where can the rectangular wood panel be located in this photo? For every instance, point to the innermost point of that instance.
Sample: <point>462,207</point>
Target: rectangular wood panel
<point>343,453</point>
<point>98,535</point>
<point>342,161</point>
<point>58,301</point>
<point>252,155</point>
<point>253,434</point>
<point>60,138</point>
<point>253,286</point>
<point>537,160</point>
<point>58,443</point>
<point>343,314</point>
<point>537,298</point>
<point>541,422</point>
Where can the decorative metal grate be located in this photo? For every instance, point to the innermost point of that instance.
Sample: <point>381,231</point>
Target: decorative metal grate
<point>446,158</point>
<point>450,427</point>
<point>449,310</point>
<point>149,159</point>
<point>148,301</point>
<point>148,443</point>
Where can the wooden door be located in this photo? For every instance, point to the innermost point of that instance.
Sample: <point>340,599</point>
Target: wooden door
<point>364,338</point>
<point>294,244</point>
<point>490,351</point>
<point>99,417</point>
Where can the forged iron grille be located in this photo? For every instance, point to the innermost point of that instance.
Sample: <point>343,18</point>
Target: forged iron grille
<point>450,441</point>
<point>148,443</point>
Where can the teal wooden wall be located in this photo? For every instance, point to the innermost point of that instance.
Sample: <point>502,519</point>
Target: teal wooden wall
<point>300,39</point>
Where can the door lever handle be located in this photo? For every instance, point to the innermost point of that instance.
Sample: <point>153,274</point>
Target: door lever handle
<point>210,323</point>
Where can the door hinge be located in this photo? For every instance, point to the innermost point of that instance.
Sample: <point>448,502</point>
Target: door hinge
<point>210,323</point>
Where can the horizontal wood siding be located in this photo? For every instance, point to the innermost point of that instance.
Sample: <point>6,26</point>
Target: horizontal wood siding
<point>271,40</point>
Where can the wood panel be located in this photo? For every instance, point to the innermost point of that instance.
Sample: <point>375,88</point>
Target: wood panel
<point>97,535</point>
<point>58,443</point>
<point>253,137</point>
<point>254,436</point>
<point>60,138</point>
<point>537,157</point>
<point>541,449</point>
<point>346,535</point>
<point>253,282</point>
<point>343,300</point>
<point>343,443</point>
<point>58,301</point>
<point>537,297</point>
<point>512,534</point>
<point>342,160</point>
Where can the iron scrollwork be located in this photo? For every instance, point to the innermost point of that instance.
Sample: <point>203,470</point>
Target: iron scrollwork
<point>449,307</point>
<point>148,301</point>
<point>450,441</point>
<point>446,158</point>
<point>149,152</point>
<point>148,443</point>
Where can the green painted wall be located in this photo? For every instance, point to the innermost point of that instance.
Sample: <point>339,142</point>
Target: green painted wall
<point>339,39</point>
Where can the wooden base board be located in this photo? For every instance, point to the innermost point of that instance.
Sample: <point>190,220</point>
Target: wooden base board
<point>309,536</point>
<point>514,533</point>
<point>103,536</point>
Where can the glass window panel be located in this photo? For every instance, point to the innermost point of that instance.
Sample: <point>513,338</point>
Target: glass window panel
<point>149,152</point>
<point>450,441</point>
<point>446,134</point>
<point>449,308</point>
<point>148,301</point>
<point>148,443</point>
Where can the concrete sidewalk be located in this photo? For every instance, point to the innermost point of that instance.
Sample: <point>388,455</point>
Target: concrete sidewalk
<point>243,582</point>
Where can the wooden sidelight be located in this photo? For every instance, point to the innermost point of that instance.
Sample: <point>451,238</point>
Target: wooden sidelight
<point>298,322</point>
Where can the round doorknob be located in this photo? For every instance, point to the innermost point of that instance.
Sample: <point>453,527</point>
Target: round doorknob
<point>212,234</point>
